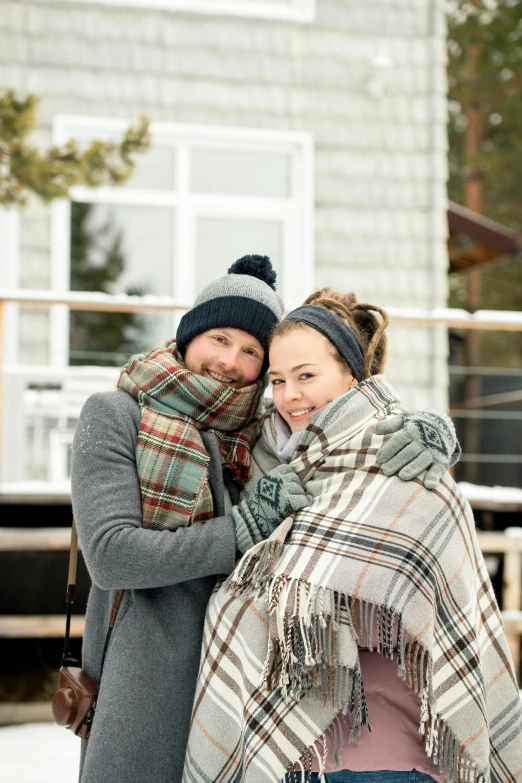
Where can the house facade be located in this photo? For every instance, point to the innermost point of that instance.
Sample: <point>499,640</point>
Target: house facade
<point>313,131</point>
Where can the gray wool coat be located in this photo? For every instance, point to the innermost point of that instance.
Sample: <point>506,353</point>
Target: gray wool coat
<point>141,725</point>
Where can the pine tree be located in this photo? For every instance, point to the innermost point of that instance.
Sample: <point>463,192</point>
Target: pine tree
<point>25,170</point>
<point>97,261</point>
<point>492,29</point>
<point>97,256</point>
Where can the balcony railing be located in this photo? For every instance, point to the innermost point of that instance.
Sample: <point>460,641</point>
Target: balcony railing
<point>489,425</point>
<point>39,406</point>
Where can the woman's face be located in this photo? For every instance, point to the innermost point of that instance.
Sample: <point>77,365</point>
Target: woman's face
<point>305,375</point>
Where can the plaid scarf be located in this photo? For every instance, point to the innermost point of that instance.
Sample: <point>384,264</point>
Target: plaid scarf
<point>171,458</point>
<point>370,555</point>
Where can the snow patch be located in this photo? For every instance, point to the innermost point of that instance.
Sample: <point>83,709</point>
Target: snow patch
<point>475,492</point>
<point>38,753</point>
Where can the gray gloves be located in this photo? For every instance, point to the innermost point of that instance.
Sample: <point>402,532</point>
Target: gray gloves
<point>276,495</point>
<point>424,440</point>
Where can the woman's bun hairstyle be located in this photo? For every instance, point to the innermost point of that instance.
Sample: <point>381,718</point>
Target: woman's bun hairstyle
<point>369,323</point>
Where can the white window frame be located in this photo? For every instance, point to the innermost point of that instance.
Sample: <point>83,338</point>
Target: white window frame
<point>295,213</point>
<point>9,279</point>
<point>296,11</point>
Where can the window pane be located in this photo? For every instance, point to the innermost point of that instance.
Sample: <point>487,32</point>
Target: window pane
<point>119,249</point>
<point>241,173</point>
<point>220,241</point>
<point>154,170</point>
<point>34,271</point>
<point>35,258</point>
<point>34,335</point>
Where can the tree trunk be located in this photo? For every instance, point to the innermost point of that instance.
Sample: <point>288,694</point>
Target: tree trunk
<point>473,200</point>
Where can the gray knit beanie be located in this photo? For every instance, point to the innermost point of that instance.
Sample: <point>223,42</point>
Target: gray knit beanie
<point>245,299</point>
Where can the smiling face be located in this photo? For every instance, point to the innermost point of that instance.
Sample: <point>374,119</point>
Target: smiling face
<point>305,375</point>
<point>229,356</point>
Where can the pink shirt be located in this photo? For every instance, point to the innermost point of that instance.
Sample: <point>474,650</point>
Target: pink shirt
<point>394,742</point>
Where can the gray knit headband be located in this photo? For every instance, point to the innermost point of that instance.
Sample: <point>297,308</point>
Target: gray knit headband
<point>335,330</point>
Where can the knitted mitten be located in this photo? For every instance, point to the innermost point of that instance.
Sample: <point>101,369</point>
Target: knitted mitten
<point>276,495</point>
<point>423,441</point>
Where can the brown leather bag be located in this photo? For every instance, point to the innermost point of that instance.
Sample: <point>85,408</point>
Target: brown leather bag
<point>74,703</point>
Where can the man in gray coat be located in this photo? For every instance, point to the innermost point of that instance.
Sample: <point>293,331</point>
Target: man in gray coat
<point>142,717</point>
<point>125,480</point>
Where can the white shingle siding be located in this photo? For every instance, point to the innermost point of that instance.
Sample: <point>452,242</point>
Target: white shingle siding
<point>380,162</point>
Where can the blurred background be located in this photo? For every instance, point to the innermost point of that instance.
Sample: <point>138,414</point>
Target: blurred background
<point>367,145</point>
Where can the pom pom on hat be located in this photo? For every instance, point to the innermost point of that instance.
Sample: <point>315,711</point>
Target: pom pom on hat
<point>245,299</point>
<point>255,266</point>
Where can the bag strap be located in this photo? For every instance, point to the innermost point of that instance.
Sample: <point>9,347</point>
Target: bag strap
<point>67,658</point>
<point>114,613</point>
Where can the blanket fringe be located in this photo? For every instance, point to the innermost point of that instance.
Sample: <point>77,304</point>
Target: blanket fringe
<point>256,568</point>
<point>304,651</point>
<point>443,747</point>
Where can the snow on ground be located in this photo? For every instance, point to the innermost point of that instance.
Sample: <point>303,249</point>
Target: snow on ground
<point>38,753</point>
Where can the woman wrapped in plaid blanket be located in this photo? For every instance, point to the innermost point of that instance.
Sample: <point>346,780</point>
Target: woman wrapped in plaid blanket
<point>371,608</point>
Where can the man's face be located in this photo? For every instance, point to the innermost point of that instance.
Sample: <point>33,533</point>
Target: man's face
<point>230,356</point>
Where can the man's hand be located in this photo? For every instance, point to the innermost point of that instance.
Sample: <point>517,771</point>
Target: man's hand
<point>276,495</point>
<point>423,441</point>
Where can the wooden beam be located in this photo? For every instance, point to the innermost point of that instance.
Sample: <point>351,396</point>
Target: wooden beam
<point>30,493</point>
<point>58,539</point>
<point>39,539</point>
<point>494,237</point>
<point>39,626</point>
<point>481,504</point>
<point>460,259</point>
<point>512,598</point>
<point>95,301</point>
<point>499,542</point>
<point>25,712</point>
<point>504,320</point>
<point>512,622</point>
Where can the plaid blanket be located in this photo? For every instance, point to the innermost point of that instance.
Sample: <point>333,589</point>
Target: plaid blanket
<point>371,557</point>
<point>171,459</point>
